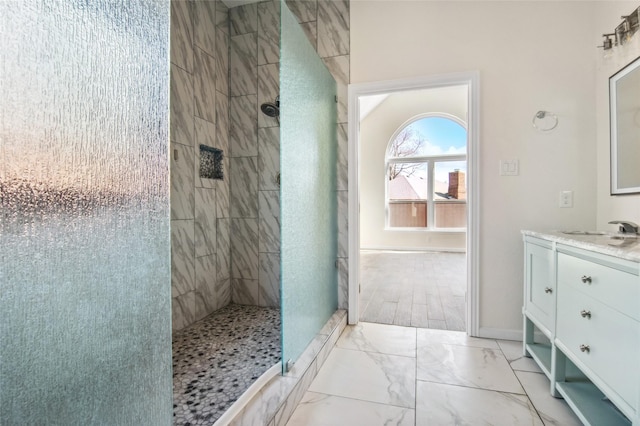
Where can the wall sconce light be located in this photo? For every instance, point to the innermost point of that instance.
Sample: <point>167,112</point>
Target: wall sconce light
<point>624,31</point>
<point>607,43</point>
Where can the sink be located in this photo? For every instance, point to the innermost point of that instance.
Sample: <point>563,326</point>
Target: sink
<point>584,232</point>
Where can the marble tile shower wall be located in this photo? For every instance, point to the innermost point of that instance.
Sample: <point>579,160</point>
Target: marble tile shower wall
<point>255,143</point>
<point>255,162</point>
<point>200,212</point>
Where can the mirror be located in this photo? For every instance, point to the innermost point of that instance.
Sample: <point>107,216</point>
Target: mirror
<point>624,105</point>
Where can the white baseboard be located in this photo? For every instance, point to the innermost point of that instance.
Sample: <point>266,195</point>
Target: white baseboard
<point>425,249</point>
<point>500,333</point>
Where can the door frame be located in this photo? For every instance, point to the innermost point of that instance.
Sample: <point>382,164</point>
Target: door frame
<point>355,91</point>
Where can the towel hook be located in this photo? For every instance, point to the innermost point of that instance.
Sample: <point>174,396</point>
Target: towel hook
<point>541,123</point>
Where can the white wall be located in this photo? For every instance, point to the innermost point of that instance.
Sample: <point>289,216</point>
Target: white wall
<point>376,130</point>
<point>531,56</point>
<point>623,207</point>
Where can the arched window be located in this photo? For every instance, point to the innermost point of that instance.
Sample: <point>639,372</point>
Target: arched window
<point>426,168</point>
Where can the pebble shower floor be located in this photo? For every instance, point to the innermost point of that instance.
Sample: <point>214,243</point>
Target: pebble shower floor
<point>217,358</point>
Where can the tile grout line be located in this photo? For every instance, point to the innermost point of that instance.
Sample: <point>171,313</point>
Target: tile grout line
<point>477,388</point>
<point>361,400</point>
<point>520,382</point>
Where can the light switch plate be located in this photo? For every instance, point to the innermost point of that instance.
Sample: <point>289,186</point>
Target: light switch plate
<point>509,168</point>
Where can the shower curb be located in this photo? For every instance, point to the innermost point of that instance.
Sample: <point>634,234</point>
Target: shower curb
<point>274,404</point>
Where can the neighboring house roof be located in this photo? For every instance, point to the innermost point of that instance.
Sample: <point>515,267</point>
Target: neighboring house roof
<point>401,189</point>
<point>441,187</point>
<point>413,188</point>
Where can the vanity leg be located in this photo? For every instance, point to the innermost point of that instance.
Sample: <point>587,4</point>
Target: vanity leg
<point>528,336</point>
<point>558,369</point>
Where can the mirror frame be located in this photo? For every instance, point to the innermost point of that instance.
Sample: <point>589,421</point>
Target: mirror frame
<point>633,66</point>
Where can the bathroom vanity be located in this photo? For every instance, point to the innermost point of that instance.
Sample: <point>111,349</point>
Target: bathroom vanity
<point>582,320</point>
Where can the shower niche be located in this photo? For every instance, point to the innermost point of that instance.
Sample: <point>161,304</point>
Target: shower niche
<point>211,163</point>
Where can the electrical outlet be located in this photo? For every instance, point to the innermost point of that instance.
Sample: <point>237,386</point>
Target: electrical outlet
<point>566,199</point>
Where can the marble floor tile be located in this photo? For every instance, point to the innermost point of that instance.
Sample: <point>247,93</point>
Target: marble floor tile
<point>320,409</point>
<point>459,381</point>
<point>440,404</point>
<point>525,364</point>
<point>512,350</point>
<point>386,339</point>
<point>553,411</point>
<point>427,336</point>
<point>466,366</point>
<point>374,377</point>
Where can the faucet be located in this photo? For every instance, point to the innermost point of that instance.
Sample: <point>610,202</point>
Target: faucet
<point>626,227</point>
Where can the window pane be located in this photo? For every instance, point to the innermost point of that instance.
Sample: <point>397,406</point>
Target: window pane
<point>408,193</point>
<point>450,180</point>
<point>451,214</point>
<point>430,136</point>
<point>408,143</point>
<point>450,194</point>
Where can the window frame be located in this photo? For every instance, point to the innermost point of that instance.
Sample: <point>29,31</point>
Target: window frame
<point>430,161</point>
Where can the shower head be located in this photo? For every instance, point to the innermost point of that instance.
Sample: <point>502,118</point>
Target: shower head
<point>271,109</point>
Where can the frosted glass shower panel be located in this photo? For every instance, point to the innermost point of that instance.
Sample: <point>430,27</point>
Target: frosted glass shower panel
<point>308,189</point>
<point>85,328</point>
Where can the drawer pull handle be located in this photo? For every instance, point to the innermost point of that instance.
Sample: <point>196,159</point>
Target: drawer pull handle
<point>585,314</point>
<point>548,290</point>
<point>584,348</point>
<point>586,279</point>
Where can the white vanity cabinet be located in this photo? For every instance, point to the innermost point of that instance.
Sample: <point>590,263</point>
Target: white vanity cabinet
<point>592,324</point>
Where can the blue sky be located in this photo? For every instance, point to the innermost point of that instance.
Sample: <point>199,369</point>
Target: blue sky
<point>444,135</point>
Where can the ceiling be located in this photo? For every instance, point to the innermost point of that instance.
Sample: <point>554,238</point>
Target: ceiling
<point>369,103</point>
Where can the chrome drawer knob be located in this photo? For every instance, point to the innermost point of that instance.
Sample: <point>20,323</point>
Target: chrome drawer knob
<point>585,314</point>
<point>586,279</point>
<point>584,348</point>
<point>548,290</point>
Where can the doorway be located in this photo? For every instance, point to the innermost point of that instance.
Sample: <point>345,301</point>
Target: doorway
<point>397,270</point>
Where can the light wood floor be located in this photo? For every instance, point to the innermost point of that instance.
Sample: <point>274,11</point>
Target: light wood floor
<point>417,289</point>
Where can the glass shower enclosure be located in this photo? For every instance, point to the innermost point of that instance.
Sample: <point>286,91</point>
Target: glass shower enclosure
<point>308,208</point>
<point>85,328</point>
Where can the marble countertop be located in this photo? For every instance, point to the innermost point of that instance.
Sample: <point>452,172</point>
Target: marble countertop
<point>623,246</point>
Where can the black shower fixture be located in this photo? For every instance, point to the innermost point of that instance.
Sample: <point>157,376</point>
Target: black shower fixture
<point>271,109</point>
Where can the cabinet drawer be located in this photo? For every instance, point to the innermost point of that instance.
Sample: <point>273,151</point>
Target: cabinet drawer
<point>618,289</point>
<point>613,340</point>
